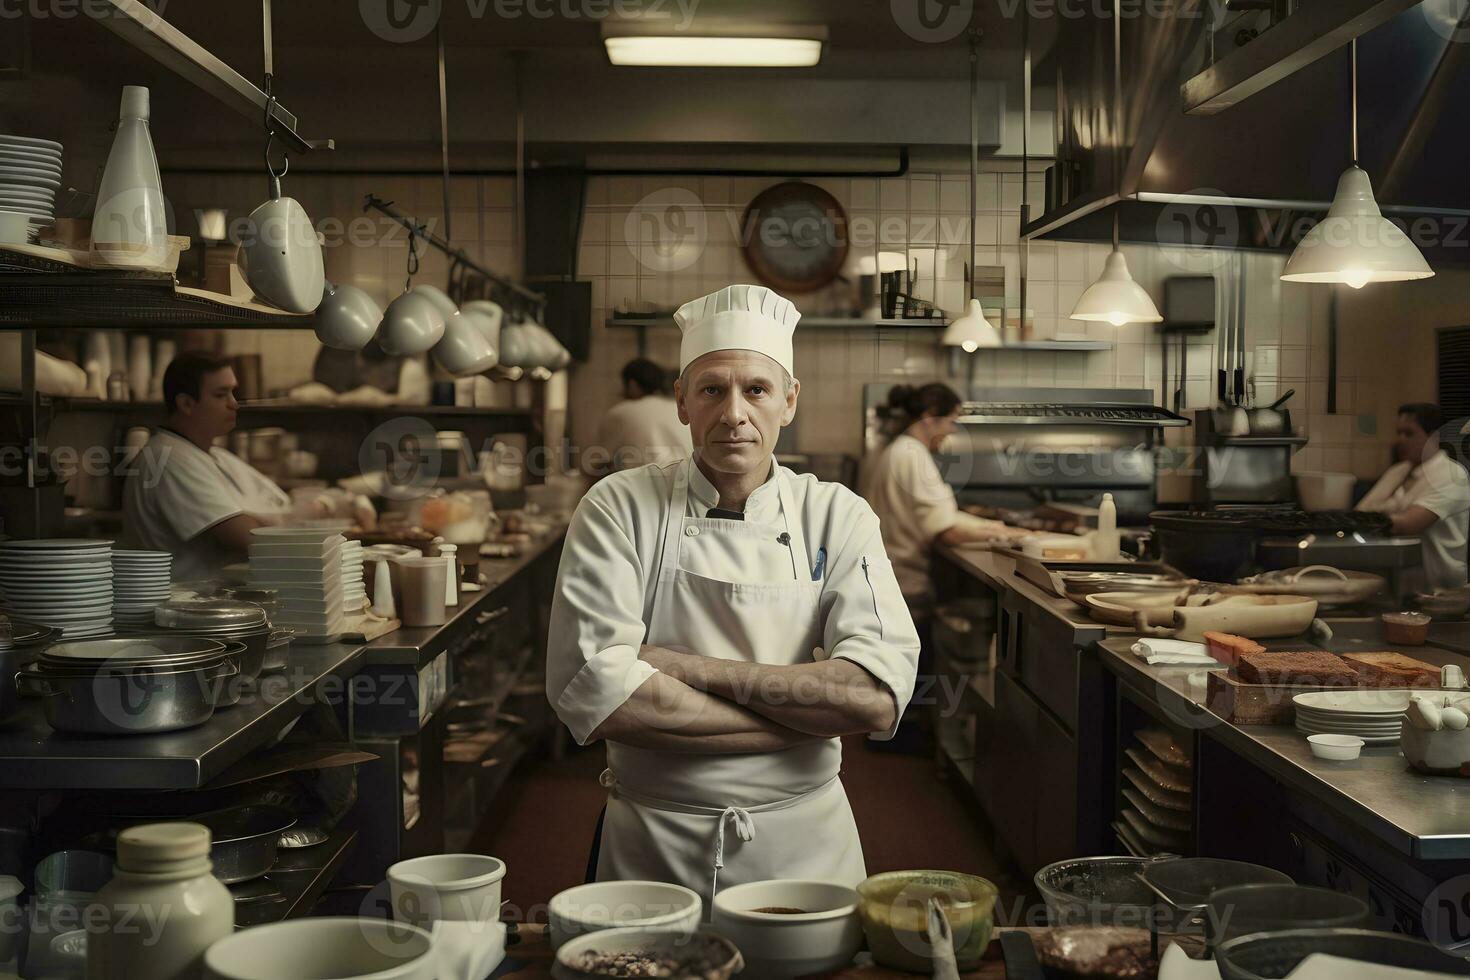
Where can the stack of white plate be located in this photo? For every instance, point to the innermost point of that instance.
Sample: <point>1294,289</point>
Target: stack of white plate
<point>304,566</point>
<point>1372,715</point>
<point>30,173</point>
<point>354,589</point>
<point>60,582</point>
<point>140,582</point>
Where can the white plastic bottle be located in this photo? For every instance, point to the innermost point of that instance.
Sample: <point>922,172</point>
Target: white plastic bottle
<point>162,909</point>
<point>129,225</point>
<point>450,554</point>
<point>1106,542</point>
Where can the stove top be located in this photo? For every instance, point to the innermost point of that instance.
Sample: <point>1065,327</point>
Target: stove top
<point>1041,413</point>
<point>1285,520</point>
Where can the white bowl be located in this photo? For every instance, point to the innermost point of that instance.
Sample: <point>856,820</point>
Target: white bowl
<point>306,949</point>
<point>825,937</point>
<point>647,905</point>
<point>453,887</point>
<point>1441,752</point>
<point>1338,748</point>
<point>727,958</point>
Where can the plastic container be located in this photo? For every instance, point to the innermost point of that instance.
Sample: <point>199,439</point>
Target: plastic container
<point>1096,891</point>
<point>1250,909</point>
<point>894,909</point>
<point>162,887</point>
<point>1106,542</point>
<point>129,225</point>
<point>456,887</point>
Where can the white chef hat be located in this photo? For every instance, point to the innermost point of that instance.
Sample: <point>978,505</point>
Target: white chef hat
<point>738,318</point>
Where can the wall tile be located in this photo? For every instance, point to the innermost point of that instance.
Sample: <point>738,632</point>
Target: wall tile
<point>893,194</point>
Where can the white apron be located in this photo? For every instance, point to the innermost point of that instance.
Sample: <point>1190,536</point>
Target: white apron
<point>703,821</point>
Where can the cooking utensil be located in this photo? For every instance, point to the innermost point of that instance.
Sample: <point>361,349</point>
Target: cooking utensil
<point>302,837</point>
<point>125,700</point>
<point>1274,955</point>
<point>280,256</point>
<point>209,615</point>
<point>1273,420</point>
<point>243,839</point>
<point>1252,616</point>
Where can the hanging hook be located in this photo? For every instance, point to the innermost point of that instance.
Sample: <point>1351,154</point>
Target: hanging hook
<point>270,137</point>
<point>413,256</point>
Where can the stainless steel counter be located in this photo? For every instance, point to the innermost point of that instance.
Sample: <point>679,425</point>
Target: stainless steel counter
<point>1425,817</point>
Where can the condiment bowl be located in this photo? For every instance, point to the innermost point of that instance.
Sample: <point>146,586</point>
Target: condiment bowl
<point>646,905</point>
<point>1338,748</point>
<point>817,929</point>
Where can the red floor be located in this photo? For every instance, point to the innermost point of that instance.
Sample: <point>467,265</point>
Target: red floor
<point>906,816</point>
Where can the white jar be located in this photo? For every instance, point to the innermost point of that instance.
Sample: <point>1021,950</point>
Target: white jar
<point>162,909</point>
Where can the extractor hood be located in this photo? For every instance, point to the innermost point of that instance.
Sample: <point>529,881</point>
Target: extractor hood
<point>1259,173</point>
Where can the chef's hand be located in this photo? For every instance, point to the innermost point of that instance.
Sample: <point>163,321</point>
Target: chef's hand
<point>664,660</point>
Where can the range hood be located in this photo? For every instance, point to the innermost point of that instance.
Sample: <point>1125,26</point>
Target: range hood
<point>1258,173</point>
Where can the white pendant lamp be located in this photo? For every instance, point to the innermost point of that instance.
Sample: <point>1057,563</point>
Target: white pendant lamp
<point>971,331</point>
<point>1115,298</point>
<point>1355,244</point>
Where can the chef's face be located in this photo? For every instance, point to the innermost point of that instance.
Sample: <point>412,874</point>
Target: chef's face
<point>735,403</point>
<point>214,411</point>
<point>1409,440</point>
<point>939,428</point>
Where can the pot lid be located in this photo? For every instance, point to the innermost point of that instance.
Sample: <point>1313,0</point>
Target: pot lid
<point>132,651</point>
<point>209,614</point>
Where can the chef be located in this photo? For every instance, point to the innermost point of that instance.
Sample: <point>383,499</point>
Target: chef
<point>642,428</point>
<point>1426,494</point>
<point>186,495</point>
<point>720,622</point>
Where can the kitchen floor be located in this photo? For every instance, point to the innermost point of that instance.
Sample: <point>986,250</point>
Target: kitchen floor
<point>906,816</point>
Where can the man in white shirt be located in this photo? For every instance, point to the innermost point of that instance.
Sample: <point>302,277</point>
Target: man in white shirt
<point>643,428</point>
<point>1427,494</point>
<point>721,622</point>
<point>186,495</point>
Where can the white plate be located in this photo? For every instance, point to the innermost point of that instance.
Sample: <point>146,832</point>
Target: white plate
<point>35,141</point>
<point>1358,702</point>
<point>41,216</point>
<point>41,199</point>
<point>56,544</point>
<point>20,159</point>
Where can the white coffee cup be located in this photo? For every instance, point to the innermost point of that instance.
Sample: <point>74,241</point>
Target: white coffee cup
<point>464,350</point>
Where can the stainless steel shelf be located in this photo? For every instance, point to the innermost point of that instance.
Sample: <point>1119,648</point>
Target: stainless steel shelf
<point>32,756</point>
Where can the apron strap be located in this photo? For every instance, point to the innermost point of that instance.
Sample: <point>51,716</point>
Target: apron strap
<point>744,826</point>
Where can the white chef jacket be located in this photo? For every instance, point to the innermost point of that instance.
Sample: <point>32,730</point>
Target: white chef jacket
<point>643,430</point>
<point>175,492</point>
<point>1439,484</point>
<point>605,585</point>
<point>915,506</point>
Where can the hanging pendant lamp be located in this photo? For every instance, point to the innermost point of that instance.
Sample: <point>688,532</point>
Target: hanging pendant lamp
<point>1115,298</point>
<point>1355,244</point>
<point>971,331</point>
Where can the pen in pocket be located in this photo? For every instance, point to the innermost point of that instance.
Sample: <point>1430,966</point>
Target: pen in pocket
<point>821,566</point>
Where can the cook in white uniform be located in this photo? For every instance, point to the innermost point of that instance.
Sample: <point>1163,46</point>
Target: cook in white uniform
<point>720,622</point>
<point>1427,494</point>
<point>185,495</point>
<point>910,496</point>
<point>642,428</point>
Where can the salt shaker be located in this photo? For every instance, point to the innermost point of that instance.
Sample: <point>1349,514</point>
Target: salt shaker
<point>450,554</point>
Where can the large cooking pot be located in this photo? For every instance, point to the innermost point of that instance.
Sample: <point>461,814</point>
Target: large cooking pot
<point>20,642</point>
<point>86,691</point>
<point>230,620</point>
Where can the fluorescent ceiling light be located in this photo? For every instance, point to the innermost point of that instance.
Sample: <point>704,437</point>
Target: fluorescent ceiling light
<point>680,51</point>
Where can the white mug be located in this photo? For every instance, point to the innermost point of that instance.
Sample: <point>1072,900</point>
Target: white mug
<point>280,255</point>
<point>411,324</point>
<point>347,317</point>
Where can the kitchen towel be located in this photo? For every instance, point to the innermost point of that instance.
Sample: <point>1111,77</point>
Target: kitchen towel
<point>1172,652</point>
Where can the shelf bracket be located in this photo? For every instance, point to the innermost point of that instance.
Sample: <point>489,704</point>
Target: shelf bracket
<point>136,23</point>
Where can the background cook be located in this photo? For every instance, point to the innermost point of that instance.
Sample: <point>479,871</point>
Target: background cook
<point>186,495</point>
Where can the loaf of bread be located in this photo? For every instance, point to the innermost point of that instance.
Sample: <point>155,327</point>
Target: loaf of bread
<point>1385,669</point>
<point>1315,668</point>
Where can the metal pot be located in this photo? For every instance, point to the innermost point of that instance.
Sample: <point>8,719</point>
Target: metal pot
<point>244,840</point>
<point>1214,549</point>
<point>145,649</point>
<point>126,699</point>
<point>254,641</point>
<point>209,615</point>
<point>1273,420</point>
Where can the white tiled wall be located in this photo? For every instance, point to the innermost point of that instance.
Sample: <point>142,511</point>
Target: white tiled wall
<point>924,214</point>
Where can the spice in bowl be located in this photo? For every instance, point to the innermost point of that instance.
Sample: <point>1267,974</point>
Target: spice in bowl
<point>1406,628</point>
<point>777,910</point>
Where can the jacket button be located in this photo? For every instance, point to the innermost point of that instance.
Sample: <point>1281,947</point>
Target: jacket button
<point>692,531</point>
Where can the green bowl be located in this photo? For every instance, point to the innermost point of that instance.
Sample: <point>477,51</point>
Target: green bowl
<point>894,909</point>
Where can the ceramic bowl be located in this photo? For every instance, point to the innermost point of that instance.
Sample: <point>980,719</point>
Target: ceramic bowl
<point>1336,748</point>
<point>464,350</point>
<point>719,957</point>
<point>646,905</point>
<point>452,887</point>
<point>1442,752</point>
<point>824,936</point>
<point>347,317</point>
<point>305,949</point>
<point>412,324</point>
<point>281,257</point>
